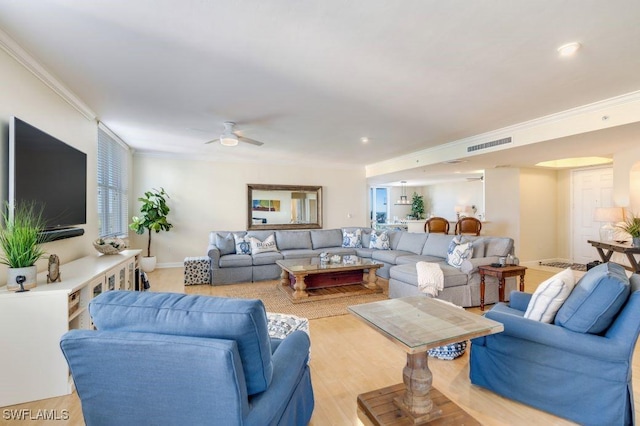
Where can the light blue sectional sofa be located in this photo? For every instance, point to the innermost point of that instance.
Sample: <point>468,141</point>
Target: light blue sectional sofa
<point>462,285</point>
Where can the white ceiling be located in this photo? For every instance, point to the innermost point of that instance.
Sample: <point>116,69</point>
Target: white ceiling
<point>310,78</point>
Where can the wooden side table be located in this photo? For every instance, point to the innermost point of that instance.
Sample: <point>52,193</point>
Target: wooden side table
<point>501,273</point>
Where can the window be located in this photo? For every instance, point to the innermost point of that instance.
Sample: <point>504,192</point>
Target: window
<point>113,184</point>
<point>378,205</point>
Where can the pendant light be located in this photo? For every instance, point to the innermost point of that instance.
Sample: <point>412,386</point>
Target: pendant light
<point>403,197</point>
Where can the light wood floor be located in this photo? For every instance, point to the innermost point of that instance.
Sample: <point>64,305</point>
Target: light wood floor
<point>349,358</point>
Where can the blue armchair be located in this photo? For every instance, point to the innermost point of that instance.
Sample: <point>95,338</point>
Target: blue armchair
<point>170,359</point>
<point>579,367</point>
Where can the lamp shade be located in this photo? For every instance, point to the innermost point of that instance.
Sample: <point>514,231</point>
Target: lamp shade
<point>608,214</point>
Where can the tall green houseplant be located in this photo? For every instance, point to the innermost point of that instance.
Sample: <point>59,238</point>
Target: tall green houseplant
<point>417,206</point>
<point>153,215</point>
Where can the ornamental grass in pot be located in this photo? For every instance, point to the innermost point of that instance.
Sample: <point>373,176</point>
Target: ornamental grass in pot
<point>20,239</point>
<point>631,226</point>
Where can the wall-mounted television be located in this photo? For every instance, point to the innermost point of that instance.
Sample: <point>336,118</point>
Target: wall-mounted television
<point>46,171</point>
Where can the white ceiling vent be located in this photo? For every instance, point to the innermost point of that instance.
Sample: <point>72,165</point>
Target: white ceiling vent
<point>486,145</point>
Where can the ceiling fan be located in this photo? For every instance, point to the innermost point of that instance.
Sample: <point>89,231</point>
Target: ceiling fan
<point>231,138</point>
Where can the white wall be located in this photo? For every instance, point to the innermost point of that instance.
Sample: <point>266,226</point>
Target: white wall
<point>210,196</point>
<point>445,197</point>
<point>538,218</point>
<point>25,96</point>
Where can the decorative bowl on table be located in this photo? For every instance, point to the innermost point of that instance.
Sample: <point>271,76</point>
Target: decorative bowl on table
<point>109,245</point>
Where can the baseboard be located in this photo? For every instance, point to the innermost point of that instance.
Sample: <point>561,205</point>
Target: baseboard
<point>169,265</point>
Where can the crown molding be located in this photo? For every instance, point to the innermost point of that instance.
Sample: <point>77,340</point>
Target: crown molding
<point>25,59</point>
<point>455,146</point>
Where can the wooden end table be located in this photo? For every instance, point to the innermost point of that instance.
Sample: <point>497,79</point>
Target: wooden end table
<point>501,273</point>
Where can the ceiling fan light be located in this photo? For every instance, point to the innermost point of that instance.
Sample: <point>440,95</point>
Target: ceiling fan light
<point>229,140</point>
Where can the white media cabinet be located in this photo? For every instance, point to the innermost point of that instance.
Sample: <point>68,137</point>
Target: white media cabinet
<point>32,366</point>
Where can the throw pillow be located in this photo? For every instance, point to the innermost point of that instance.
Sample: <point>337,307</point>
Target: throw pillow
<point>225,243</point>
<point>459,251</point>
<point>549,296</point>
<point>269,244</point>
<point>243,245</point>
<point>352,239</point>
<point>379,240</point>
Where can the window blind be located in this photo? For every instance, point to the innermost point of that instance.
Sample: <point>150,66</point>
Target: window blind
<point>113,184</point>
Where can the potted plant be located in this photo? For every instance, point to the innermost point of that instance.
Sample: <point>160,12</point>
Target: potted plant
<point>153,217</point>
<point>417,206</point>
<point>20,239</point>
<point>632,227</point>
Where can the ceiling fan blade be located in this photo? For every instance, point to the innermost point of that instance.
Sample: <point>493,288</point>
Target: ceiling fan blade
<point>212,141</point>
<point>249,140</point>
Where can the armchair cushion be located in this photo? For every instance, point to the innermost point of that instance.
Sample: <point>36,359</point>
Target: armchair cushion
<point>549,296</point>
<point>595,301</point>
<point>242,320</point>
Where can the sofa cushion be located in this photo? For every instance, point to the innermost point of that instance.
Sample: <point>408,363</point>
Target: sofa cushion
<point>409,274</point>
<point>342,251</point>
<point>326,238</point>
<point>394,238</point>
<point>298,254</point>
<point>379,240</point>
<point>437,245</point>
<point>595,300</point>
<point>226,243</point>
<point>549,296</point>
<point>352,239</point>
<point>242,243</point>
<point>263,246</point>
<point>234,260</point>
<point>415,258</point>
<point>365,252</point>
<point>389,256</point>
<point>293,240</point>
<point>412,241</point>
<point>366,236</point>
<point>241,320</point>
<point>497,246</point>
<point>267,258</point>
<point>478,247</point>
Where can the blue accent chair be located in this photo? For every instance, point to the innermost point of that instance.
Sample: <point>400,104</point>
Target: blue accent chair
<point>176,359</point>
<point>578,367</point>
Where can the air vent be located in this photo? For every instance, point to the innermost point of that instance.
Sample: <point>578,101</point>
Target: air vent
<point>486,145</point>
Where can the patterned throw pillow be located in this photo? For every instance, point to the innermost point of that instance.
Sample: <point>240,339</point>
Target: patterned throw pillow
<point>459,251</point>
<point>352,239</point>
<point>243,245</point>
<point>269,244</point>
<point>379,240</point>
<point>448,352</point>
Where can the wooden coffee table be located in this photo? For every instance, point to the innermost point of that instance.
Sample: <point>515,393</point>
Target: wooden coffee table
<point>301,278</point>
<point>418,324</point>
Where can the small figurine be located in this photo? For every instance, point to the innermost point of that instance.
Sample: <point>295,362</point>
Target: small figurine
<point>54,269</point>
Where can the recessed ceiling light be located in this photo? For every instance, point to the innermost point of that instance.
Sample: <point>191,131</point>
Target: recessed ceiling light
<point>569,48</point>
<point>364,139</point>
<point>575,162</point>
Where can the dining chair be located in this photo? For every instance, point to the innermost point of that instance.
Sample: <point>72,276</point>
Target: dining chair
<point>437,225</point>
<point>468,225</point>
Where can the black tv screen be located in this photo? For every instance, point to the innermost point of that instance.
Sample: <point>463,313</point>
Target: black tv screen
<point>48,172</point>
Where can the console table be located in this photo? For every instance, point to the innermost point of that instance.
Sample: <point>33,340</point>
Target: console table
<point>613,247</point>
<point>32,366</point>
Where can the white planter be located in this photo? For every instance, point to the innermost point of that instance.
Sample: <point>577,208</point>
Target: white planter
<point>30,273</point>
<point>148,264</point>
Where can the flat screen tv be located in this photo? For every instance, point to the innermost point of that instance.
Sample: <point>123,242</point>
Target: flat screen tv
<point>48,172</point>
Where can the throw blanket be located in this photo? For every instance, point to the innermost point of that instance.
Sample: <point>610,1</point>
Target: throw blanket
<point>430,278</point>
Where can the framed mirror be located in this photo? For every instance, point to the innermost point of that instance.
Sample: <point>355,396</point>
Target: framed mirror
<point>284,207</point>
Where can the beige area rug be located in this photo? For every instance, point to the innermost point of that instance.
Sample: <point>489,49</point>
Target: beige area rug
<point>275,300</point>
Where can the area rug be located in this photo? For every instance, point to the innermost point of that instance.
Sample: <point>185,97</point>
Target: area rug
<point>563,265</point>
<point>276,301</point>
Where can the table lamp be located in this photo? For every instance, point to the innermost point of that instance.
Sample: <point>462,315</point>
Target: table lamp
<point>608,216</point>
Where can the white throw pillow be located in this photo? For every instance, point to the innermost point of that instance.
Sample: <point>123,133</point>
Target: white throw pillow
<point>269,244</point>
<point>379,240</point>
<point>549,296</point>
<point>352,239</point>
<point>458,252</point>
<point>243,245</point>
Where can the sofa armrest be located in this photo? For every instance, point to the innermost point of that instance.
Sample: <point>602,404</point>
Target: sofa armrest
<point>214,253</point>
<point>289,364</point>
<point>470,266</point>
<point>584,344</point>
<point>519,300</point>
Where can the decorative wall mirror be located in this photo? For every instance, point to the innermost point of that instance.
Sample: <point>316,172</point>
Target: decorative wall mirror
<point>284,207</point>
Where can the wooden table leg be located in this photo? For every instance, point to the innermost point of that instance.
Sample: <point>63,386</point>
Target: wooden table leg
<point>417,378</point>
<point>501,289</point>
<point>481,291</point>
<point>372,280</point>
<point>284,278</point>
<point>522,282</point>
<point>300,287</point>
